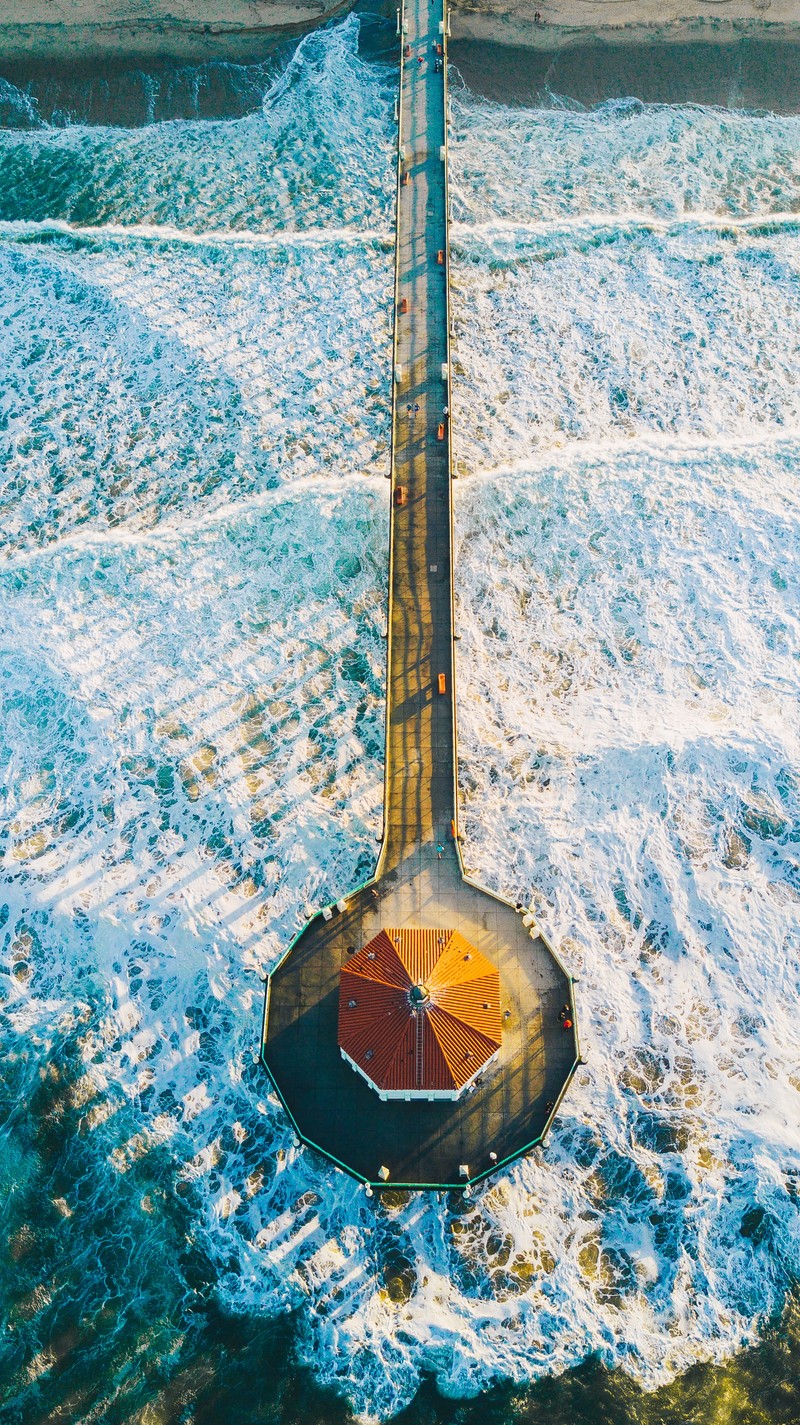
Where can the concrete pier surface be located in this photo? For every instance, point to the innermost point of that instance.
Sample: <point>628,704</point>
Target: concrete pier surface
<point>419,880</point>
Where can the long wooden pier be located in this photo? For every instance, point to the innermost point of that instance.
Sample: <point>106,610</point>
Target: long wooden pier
<point>419,881</point>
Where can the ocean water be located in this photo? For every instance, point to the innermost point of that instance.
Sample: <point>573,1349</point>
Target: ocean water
<point>193,442</point>
<point>627,427</point>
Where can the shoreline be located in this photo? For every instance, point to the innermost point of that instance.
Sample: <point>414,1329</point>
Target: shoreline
<point>79,30</point>
<point>515,33</point>
<point>567,24</point>
<point>69,30</point>
<point>754,75</point>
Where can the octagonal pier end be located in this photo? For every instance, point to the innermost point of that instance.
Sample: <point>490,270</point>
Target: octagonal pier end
<point>421,1031</point>
<point>405,1138</point>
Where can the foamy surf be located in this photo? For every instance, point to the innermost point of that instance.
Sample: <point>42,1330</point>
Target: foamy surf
<point>159,379</point>
<point>664,161</point>
<point>132,233</point>
<point>305,152</point>
<point>627,564</point>
<point>685,333</point>
<point>192,666</point>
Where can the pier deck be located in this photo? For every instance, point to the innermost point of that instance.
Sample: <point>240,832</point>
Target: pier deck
<point>422,1144</point>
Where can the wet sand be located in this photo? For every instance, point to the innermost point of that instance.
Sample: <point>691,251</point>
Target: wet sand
<point>745,74</point>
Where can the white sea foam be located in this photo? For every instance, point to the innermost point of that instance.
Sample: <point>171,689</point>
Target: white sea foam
<point>192,733</point>
<point>655,159</point>
<point>140,379</point>
<point>627,588</point>
<point>637,612</point>
<point>307,158</point>
<point>17,109</point>
<point>201,672</point>
<point>131,233</point>
<point>687,332</point>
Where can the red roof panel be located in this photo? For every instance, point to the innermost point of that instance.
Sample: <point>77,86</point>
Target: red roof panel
<point>404,1045</point>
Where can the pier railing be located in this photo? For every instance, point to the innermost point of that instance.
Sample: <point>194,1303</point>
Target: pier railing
<point>401,30</point>
<point>451,474</point>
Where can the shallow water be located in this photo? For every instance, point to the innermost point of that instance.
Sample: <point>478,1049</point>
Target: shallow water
<point>734,74</point>
<point>193,440</point>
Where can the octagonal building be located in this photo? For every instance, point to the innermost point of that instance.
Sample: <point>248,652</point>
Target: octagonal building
<point>419,1014</point>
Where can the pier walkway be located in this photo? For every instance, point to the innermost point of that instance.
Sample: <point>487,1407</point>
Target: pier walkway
<point>419,881</point>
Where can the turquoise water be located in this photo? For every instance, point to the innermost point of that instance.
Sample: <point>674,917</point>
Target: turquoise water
<point>194,432</point>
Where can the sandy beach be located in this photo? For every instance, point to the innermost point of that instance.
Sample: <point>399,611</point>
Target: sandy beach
<point>218,29</point>
<point>575,22</point>
<point>34,29</point>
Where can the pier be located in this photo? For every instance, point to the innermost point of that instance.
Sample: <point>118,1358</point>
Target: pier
<point>419,882</point>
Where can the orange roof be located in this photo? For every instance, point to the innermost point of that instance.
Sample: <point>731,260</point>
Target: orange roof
<point>419,1010</point>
